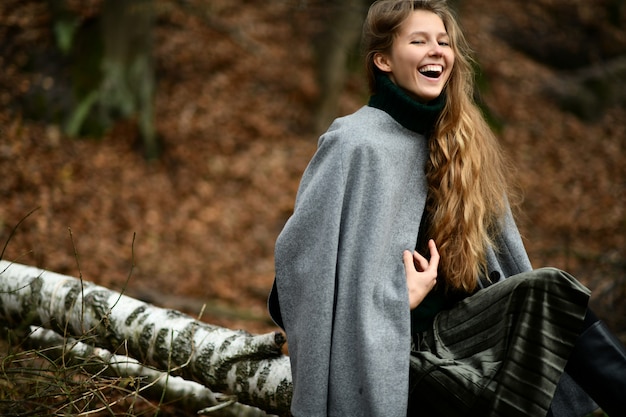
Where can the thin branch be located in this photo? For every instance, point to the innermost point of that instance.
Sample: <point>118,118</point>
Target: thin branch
<point>14,230</point>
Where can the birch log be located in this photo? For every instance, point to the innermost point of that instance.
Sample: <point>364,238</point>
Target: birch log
<point>235,362</point>
<point>151,383</point>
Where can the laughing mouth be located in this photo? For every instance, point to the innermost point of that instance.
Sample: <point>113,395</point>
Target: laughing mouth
<point>431,71</point>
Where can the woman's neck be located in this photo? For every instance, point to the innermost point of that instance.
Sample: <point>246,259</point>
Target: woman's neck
<point>407,111</point>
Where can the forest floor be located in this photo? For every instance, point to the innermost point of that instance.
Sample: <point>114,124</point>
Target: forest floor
<point>234,105</point>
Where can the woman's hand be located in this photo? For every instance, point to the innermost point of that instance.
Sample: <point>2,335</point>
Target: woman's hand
<point>421,274</point>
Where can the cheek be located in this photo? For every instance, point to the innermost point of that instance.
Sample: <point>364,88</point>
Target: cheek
<point>450,58</point>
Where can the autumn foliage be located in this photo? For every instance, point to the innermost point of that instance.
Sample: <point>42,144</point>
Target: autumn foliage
<point>235,99</point>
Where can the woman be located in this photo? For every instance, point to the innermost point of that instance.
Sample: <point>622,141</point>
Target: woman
<point>401,225</point>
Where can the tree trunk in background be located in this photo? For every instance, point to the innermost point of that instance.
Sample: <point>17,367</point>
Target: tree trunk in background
<point>128,83</point>
<point>251,367</point>
<point>342,23</point>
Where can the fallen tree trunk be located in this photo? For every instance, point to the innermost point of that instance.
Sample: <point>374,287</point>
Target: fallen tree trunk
<point>150,383</point>
<point>251,367</point>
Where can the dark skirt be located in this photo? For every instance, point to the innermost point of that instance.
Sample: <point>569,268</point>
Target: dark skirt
<point>501,351</point>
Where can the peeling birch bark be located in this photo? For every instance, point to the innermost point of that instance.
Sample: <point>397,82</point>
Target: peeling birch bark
<point>235,362</point>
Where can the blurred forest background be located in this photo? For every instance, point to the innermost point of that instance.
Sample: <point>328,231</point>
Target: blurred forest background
<point>171,135</point>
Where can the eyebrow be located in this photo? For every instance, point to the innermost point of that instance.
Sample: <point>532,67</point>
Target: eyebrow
<point>422,33</point>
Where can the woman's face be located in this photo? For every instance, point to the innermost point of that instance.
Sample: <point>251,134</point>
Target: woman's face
<point>421,58</point>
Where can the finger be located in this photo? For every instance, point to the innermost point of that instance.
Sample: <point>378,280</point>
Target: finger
<point>408,261</point>
<point>420,261</point>
<point>434,254</point>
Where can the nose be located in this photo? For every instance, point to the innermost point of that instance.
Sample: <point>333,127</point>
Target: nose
<point>436,50</point>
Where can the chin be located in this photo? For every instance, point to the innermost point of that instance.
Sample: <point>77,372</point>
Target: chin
<point>425,98</point>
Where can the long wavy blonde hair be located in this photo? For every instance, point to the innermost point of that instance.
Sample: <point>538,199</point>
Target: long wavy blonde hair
<point>466,170</point>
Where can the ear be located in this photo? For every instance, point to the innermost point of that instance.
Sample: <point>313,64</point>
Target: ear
<point>382,62</point>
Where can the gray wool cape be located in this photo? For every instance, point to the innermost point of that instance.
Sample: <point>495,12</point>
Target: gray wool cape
<point>340,278</point>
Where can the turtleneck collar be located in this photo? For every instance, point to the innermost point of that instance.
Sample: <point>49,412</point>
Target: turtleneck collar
<point>407,111</point>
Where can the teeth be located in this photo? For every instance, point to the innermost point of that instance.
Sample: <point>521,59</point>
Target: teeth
<point>431,68</point>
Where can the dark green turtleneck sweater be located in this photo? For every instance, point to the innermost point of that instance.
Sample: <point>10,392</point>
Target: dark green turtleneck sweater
<point>407,111</point>
<point>420,118</point>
